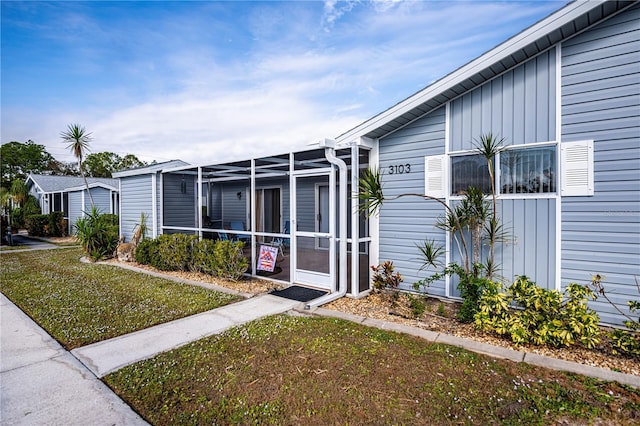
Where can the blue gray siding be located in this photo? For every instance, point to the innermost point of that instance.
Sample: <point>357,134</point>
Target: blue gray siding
<point>235,209</point>
<point>101,199</point>
<point>409,221</point>
<point>530,251</point>
<point>601,101</point>
<point>519,105</point>
<point>179,208</point>
<point>75,209</point>
<point>136,199</point>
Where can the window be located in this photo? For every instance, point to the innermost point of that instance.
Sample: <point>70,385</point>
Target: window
<point>469,170</point>
<point>528,170</point>
<point>521,170</point>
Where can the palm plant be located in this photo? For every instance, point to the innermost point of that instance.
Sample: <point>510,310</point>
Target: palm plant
<point>78,142</point>
<point>19,192</point>
<point>488,146</point>
<point>473,216</point>
<point>372,197</point>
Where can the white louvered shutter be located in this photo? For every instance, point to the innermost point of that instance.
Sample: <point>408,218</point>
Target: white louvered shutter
<point>576,166</point>
<point>435,176</point>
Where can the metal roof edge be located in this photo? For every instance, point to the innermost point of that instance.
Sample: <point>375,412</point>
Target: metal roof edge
<point>91,185</point>
<point>151,168</point>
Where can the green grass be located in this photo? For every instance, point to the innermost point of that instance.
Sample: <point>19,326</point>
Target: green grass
<point>292,369</point>
<point>317,371</point>
<point>81,303</point>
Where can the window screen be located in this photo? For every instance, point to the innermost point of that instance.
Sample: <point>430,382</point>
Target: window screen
<point>469,170</point>
<point>528,170</point>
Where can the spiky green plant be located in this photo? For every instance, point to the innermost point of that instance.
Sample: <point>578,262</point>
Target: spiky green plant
<point>78,140</point>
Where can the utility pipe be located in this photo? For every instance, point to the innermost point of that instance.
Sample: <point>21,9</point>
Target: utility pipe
<point>330,154</point>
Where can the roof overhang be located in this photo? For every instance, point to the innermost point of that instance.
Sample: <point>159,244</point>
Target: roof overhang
<point>150,169</point>
<point>32,180</point>
<point>91,186</point>
<point>567,22</point>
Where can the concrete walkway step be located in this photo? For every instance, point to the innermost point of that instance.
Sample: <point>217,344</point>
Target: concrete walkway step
<point>110,355</point>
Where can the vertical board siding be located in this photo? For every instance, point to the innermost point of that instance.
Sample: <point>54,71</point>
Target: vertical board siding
<point>406,222</point>
<point>530,246</point>
<point>601,101</point>
<point>135,198</point>
<point>519,105</point>
<point>179,209</point>
<point>101,199</point>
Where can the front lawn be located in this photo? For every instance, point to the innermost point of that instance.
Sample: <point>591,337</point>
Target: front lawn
<point>80,303</point>
<point>317,371</point>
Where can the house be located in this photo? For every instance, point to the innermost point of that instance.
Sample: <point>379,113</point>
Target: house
<point>140,194</point>
<point>68,194</point>
<point>565,96</point>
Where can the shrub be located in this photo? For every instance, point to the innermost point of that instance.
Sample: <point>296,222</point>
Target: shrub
<point>541,317</point>
<point>174,252</point>
<point>45,225</point>
<point>232,264</point>
<point>627,341</point>
<point>471,285</point>
<point>110,219</point>
<point>384,277</point>
<point>37,225</point>
<point>145,251</point>
<point>417,305</point>
<point>97,234</point>
<point>204,259</point>
<point>179,252</point>
<point>57,226</point>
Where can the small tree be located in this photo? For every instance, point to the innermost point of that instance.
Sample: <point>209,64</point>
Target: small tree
<point>78,142</point>
<point>474,216</point>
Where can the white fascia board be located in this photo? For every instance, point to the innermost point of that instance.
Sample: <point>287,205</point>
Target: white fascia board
<point>39,188</point>
<point>91,186</point>
<point>150,169</point>
<point>509,47</point>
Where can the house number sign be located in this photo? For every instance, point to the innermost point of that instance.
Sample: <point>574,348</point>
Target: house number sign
<point>398,169</point>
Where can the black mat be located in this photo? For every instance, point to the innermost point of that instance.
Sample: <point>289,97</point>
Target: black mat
<point>301,294</point>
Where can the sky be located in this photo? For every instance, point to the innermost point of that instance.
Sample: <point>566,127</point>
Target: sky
<point>207,82</point>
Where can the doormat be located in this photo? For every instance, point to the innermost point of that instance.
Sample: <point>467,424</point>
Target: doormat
<point>301,294</point>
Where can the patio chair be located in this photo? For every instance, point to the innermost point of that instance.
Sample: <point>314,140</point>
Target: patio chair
<point>282,242</point>
<point>239,226</point>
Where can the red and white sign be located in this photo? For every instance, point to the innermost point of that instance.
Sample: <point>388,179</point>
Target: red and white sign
<point>267,258</point>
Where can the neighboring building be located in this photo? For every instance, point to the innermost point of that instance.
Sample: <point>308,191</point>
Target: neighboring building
<point>68,194</point>
<point>565,95</point>
<point>139,194</point>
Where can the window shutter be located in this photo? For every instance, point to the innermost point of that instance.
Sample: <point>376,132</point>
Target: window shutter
<point>435,176</point>
<point>576,165</point>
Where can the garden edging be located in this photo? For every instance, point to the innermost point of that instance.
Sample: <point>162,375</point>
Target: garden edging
<point>486,349</point>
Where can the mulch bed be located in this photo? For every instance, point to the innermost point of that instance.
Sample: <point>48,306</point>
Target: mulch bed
<point>439,316</point>
<point>380,306</point>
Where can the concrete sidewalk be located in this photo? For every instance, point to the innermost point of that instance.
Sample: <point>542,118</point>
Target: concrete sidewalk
<point>110,355</point>
<point>43,384</point>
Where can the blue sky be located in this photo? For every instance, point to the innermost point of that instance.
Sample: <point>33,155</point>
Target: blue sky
<point>214,81</point>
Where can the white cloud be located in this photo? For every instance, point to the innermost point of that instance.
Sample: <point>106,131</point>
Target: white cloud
<point>191,102</point>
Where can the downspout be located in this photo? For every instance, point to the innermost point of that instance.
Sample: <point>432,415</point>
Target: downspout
<point>330,154</point>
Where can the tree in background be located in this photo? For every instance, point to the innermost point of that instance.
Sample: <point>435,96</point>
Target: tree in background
<point>78,141</point>
<point>104,164</point>
<point>19,159</point>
